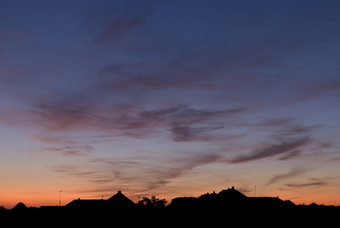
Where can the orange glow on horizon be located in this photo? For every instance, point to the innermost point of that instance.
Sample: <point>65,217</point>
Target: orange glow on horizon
<point>52,198</point>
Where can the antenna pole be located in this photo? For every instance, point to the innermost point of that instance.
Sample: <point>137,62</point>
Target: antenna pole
<point>255,191</point>
<point>59,198</point>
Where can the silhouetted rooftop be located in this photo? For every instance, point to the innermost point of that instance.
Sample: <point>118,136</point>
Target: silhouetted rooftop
<point>229,198</point>
<point>118,200</point>
<point>231,194</point>
<point>228,205</point>
<point>19,206</point>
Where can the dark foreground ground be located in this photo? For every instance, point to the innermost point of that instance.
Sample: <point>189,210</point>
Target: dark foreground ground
<point>298,216</point>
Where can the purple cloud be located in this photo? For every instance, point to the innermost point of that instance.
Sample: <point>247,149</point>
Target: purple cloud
<point>159,177</point>
<point>187,133</point>
<point>70,150</point>
<point>307,184</point>
<point>292,173</point>
<point>110,24</point>
<point>52,139</point>
<point>118,27</point>
<point>272,150</point>
<point>114,161</point>
<point>74,171</point>
<point>73,116</point>
<point>290,154</point>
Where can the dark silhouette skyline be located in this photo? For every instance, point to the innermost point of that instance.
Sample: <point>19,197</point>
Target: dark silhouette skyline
<point>229,206</point>
<point>225,196</point>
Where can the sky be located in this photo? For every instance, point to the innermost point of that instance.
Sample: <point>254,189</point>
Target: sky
<point>169,98</point>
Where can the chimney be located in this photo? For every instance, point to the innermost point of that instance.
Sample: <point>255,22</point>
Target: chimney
<point>119,192</point>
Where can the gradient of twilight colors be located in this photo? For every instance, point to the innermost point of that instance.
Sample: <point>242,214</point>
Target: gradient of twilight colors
<point>169,98</point>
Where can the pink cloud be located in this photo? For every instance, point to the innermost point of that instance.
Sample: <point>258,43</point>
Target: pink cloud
<point>119,120</point>
<point>48,139</point>
<point>272,150</point>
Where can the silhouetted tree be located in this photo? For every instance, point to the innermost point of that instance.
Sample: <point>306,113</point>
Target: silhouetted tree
<point>152,203</point>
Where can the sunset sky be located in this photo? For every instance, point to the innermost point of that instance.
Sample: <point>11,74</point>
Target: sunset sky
<point>169,98</point>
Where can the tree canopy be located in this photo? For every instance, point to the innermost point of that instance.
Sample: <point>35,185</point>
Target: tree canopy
<point>152,203</point>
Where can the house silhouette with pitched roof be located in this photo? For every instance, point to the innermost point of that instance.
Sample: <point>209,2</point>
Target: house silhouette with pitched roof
<point>117,201</point>
<point>121,200</point>
<point>228,198</point>
<point>19,207</point>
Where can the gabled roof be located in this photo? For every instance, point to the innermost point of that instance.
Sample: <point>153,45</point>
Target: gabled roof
<point>19,206</point>
<point>87,203</point>
<point>231,194</point>
<point>121,199</point>
<point>116,201</point>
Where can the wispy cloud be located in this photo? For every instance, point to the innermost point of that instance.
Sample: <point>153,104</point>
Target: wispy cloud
<point>59,116</point>
<point>290,154</point>
<point>128,172</point>
<point>95,175</point>
<point>155,176</point>
<point>183,165</point>
<point>272,150</point>
<point>187,133</point>
<point>74,171</point>
<point>180,167</point>
<point>52,139</point>
<point>116,28</point>
<point>72,150</point>
<point>114,161</point>
<point>307,184</point>
<point>292,173</point>
<point>108,24</point>
<point>334,159</point>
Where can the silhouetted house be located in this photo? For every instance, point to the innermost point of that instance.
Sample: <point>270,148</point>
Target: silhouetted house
<point>231,194</point>
<point>269,202</point>
<point>117,201</point>
<point>226,198</point>
<point>19,207</point>
<point>208,197</point>
<point>229,199</point>
<point>86,204</point>
<point>288,203</point>
<point>121,200</point>
<point>313,204</point>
